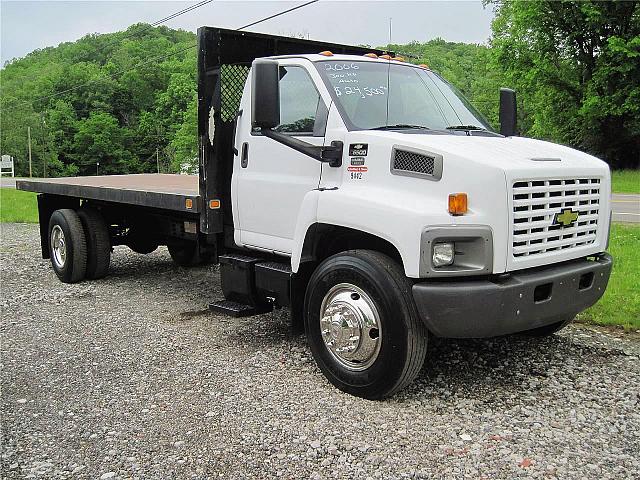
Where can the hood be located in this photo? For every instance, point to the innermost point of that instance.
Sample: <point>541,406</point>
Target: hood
<point>501,152</point>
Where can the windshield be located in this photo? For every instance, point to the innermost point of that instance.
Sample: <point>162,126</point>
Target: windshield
<point>382,95</point>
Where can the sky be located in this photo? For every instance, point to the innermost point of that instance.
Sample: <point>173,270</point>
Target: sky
<point>29,25</point>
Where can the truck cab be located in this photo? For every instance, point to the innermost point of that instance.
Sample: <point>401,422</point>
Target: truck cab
<point>410,141</point>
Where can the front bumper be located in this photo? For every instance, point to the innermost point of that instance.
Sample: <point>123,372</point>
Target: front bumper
<point>514,302</point>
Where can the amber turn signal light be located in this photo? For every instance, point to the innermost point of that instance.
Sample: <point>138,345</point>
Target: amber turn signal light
<point>458,203</point>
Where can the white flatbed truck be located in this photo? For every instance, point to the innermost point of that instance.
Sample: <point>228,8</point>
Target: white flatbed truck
<point>365,194</point>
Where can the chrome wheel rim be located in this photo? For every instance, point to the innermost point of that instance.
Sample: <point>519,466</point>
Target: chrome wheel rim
<point>58,246</point>
<point>350,326</point>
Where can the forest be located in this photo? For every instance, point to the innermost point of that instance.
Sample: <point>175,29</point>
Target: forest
<point>126,102</point>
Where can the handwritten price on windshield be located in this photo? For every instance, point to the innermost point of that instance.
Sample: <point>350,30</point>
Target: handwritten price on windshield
<point>364,92</point>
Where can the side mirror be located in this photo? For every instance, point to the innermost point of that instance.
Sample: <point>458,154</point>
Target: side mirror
<point>508,110</point>
<point>265,94</point>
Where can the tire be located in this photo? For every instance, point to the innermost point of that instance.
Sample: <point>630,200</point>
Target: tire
<point>549,330</point>
<point>370,282</point>
<point>185,255</point>
<point>98,243</point>
<point>67,246</point>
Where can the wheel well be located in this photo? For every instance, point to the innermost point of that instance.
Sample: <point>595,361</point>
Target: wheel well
<point>323,240</point>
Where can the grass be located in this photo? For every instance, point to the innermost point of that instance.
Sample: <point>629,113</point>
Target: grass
<point>625,181</point>
<point>17,206</point>
<point>620,304</point>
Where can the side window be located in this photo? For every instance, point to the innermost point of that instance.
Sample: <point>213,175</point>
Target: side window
<point>299,101</point>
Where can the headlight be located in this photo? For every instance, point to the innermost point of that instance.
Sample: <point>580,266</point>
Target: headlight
<point>449,250</point>
<point>443,254</point>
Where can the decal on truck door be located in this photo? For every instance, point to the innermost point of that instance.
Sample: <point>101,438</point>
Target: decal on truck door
<point>358,149</point>
<point>356,172</point>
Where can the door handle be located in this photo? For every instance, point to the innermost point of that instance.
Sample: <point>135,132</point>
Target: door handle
<point>244,159</point>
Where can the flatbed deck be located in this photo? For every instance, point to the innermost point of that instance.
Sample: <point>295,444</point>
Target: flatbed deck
<point>165,191</point>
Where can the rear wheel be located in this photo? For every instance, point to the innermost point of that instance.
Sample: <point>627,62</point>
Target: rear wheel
<point>98,242</point>
<point>67,246</point>
<point>362,324</point>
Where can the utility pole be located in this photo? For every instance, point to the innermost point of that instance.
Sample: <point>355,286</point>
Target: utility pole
<point>29,136</point>
<point>44,140</point>
<point>158,147</point>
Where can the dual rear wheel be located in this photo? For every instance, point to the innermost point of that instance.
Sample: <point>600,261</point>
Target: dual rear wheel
<point>79,244</point>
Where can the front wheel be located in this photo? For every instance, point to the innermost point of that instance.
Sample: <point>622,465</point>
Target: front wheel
<point>362,324</point>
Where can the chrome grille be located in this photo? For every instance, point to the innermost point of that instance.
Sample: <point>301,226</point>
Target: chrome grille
<point>413,162</point>
<point>535,206</point>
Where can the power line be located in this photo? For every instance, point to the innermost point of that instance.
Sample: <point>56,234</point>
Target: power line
<point>277,14</point>
<point>166,19</point>
<point>126,37</point>
<point>162,57</point>
<point>159,22</point>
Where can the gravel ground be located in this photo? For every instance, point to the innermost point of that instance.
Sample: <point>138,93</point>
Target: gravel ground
<point>132,377</point>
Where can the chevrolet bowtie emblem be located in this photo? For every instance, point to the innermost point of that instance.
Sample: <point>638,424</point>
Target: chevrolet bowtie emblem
<point>566,217</point>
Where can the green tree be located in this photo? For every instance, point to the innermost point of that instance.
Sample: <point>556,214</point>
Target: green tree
<point>126,83</point>
<point>100,140</point>
<point>184,145</point>
<point>577,66</point>
<point>470,68</point>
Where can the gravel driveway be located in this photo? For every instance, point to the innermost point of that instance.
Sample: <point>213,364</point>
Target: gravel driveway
<point>132,377</point>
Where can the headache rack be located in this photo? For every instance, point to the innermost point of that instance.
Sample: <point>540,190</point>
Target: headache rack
<point>224,59</point>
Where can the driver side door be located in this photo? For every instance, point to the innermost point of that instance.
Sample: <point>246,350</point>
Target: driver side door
<point>273,179</point>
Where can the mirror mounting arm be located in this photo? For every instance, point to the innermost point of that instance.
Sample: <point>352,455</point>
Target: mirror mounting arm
<point>331,154</point>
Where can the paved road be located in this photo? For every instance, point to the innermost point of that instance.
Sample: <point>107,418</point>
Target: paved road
<point>8,182</point>
<point>626,207</point>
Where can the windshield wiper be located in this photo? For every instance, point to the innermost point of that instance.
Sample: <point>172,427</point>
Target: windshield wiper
<point>465,127</point>
<point>400,126</point>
